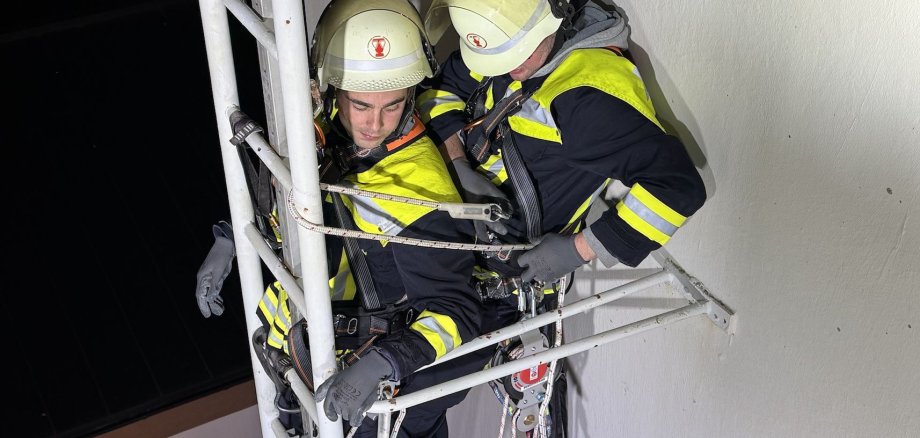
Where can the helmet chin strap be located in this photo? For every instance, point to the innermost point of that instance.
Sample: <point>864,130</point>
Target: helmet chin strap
<point>408,109</point>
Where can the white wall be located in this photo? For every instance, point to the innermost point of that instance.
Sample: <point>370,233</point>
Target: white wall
<point>807,117</point>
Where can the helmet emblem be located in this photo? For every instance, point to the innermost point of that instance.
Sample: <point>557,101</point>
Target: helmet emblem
<point>378,47</point>
<point>477,40</point>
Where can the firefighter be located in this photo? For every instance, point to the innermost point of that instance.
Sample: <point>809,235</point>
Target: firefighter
<point>396,307</point>
<point>558,111</point>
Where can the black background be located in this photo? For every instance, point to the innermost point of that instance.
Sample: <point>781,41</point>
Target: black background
<point>112,179</point>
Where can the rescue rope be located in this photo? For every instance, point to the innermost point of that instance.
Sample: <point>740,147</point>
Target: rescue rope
<point>377,195</point>
<point>342,232</point>
<point>505,413</point>
<point>551,374</point>
<point>398,423</point>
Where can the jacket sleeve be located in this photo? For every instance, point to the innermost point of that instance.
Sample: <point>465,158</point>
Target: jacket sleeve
<point>438,286</point>
<point>443,99</point>
<point>606,136</point>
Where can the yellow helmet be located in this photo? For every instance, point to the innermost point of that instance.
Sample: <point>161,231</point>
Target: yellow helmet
<point>496,36</point>
<point>371,45</point>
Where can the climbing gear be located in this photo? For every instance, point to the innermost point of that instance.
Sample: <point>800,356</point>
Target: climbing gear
<point>215,269</point>
<point>355,331</point>
<point>356,260</point>
<point>491,124</point>
<point>258,180</point>
<point>477,212</point>
<point>476,187</point>
<point>275,364</point>
<point>527,396</point>
<point>495,37</point>
<point>268,225</point>
<point>350,52</point>
<point>341,232</point>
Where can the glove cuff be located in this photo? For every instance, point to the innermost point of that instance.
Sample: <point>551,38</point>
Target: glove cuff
<point>222,229</point>
<point>394,370</point>
<point>605,257</point>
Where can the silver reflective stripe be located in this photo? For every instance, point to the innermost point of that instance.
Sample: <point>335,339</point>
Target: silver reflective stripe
<point>375,65</point>
<point>273,337</point>
<point>338,284</point>
<point>648,215</point>
<point>272,309</point>
<point>372,213</point>
<point>507,45</point>
<point>533,111</point>
<point>495,168</point>
<point>598,191</point>
<point>428,105</point>
<point>432,324</point>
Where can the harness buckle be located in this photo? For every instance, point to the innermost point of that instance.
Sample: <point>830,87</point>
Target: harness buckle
<point>500,210</point>
<point>352,326</point>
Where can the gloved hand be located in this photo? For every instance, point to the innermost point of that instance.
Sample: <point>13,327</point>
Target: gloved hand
<point>554,257</point>
<point>352,391</point>
<point>477,188</point>
<point>215,269</point>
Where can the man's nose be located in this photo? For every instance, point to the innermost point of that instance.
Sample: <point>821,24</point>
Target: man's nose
<point>375,121</point>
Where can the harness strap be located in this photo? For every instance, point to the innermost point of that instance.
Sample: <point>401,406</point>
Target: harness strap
<point>507,106</point>
<point>258,182</point>
<point>524,190</point>
<point>356,260</point>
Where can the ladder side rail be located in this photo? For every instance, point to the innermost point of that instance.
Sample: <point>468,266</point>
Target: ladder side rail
<point>290,35</point>
<point>303,394</point>
<point>278,429</point>
<point>274,126</point>
<point>216,29</point>
<point>563,351</point>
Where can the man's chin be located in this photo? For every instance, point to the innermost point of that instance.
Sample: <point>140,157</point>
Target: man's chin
<point>367,144</point>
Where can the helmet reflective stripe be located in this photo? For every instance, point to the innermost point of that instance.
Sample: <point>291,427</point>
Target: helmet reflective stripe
<point>375,65</point>
<point>516,38</point>
<point>371,46</point>
<point>495,36</point>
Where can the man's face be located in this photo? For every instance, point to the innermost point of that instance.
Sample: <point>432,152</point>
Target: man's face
<point>370,117</point>
<point>535,61</point>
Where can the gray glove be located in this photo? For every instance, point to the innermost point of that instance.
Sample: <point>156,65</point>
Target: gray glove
<point>476,187</point>
<point>352,391</point>
<point>554,257</point>
<point>215,269</point>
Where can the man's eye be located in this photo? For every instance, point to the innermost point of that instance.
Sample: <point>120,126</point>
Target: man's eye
<point>359,107</point>
<point>394,108</point>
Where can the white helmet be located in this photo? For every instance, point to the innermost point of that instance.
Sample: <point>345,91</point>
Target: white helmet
<point>371,45</point>
<point>496,36</point>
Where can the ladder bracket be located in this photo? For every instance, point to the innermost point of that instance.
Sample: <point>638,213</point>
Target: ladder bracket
<point>696,292</point>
